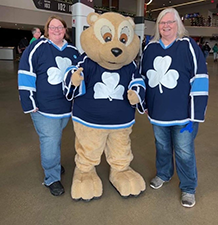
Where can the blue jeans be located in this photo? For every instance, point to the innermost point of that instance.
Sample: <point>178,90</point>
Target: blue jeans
<point>50,134</point>
<point>206,53</point>
<point>168,139</point>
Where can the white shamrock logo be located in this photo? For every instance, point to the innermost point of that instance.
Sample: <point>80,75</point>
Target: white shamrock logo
<point>161,75</point>
<point>56,75</point>
<point>109,88</point>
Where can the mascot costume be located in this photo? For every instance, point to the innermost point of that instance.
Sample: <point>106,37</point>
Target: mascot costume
<point>105,87</point>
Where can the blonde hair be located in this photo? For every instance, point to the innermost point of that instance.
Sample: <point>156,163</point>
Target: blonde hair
<point>48,23</point>
<point>181,31</point>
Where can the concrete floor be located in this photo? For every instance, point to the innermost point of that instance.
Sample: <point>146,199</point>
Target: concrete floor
<point>24,201</point>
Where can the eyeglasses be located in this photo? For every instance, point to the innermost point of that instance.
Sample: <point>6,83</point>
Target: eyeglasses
<point>170,22</point>
<point>58,28</point>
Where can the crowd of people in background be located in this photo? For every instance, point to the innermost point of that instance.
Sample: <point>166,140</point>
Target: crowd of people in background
<point>201,21</point>
<point>194,19</point>
<point>206,49</point>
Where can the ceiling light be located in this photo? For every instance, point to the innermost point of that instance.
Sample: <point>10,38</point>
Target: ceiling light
<point>149,2</point>
<point>178,5</point>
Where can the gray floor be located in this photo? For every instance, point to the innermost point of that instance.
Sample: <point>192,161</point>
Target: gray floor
<point>25,201</point>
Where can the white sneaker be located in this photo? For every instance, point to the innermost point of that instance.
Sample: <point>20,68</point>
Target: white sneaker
<point>188,200</point>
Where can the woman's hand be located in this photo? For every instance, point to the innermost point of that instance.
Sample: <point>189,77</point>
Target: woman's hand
<point>35,110</point>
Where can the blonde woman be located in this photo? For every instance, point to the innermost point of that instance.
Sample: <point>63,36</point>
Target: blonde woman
<point>176,81</point>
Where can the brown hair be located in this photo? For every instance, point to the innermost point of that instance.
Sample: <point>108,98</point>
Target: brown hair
<point>48,22</point>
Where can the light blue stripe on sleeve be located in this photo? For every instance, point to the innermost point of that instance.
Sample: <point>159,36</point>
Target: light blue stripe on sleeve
<point>70,68</point>
<point>26,81</point>
<point>83,87</point>
<point>200,85</point>
<point>138,82</point>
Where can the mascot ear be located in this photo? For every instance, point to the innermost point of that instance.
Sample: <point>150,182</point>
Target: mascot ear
<point>92,17</point>
<point>131,21</point>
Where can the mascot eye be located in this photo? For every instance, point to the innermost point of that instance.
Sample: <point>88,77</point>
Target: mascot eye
<point>123,38</point>
<point>107,37</point>
<point>106,33</point>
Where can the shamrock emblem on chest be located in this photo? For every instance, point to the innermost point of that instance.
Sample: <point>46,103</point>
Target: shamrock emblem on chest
<point>109,87</point>
<point>160,75</point>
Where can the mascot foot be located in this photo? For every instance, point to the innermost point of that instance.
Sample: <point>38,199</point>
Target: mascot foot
<point>86,185</point>
<point>127,182</point>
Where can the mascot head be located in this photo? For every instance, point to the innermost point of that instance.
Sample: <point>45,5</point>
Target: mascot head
<point>110,40</point>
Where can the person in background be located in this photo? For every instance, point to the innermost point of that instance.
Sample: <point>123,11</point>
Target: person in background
<point>215,50</point>
<point>209,21</point>
<point>176,79</point>
<point>36,34</point>
<point>206,50</point>
<point>40,81</point>
<point>199,44</point>
<point>22,45</point>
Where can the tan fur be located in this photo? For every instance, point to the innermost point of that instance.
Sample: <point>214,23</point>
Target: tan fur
<point>91,143</point>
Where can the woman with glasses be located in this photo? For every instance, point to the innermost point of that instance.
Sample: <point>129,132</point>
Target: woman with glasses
<point>176,80</point>
<point>40,80</point>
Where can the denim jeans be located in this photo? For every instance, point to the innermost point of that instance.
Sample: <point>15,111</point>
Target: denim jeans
<point>169,139</point>
<point>206,53</point>
<point>50,134</point>
<point>215,55</point>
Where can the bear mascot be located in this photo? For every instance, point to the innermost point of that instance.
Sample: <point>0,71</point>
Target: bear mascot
<point>106,88</point>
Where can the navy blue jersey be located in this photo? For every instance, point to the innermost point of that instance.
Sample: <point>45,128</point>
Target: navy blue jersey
<point>40,77</point>
<point>176,82</point>
<point>101,99</point>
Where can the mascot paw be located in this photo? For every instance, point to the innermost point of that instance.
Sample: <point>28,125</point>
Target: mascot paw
<point>127,182</point>
<point>76,78</point>
<point>86,185</point>
<point>132,97</point>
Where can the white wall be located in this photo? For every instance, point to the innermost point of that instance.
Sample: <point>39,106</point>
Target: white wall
<point>202,31</point>
<point>149,27</point>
